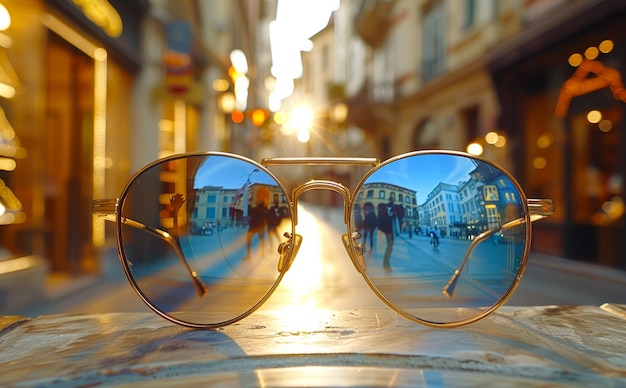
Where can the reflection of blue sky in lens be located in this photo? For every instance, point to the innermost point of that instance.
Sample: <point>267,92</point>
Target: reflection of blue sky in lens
<point>229,173</point>
<point>424,172</point>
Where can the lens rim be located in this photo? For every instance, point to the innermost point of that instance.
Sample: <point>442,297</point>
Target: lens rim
<point>527,241</point>
<point>125,263</point>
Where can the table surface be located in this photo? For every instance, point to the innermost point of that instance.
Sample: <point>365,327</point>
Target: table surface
<point>529,346</point>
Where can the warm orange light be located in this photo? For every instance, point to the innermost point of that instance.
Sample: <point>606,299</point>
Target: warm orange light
<point>594,116</point>
<point>545,140</point>
<point>102,14</point>
<point>491,137</point>
<point>237,116</point>
<point>5,18</point>
<point>475,149</point>
<point>605,125</point>
<point>592,53</point>
<point>606,46</point>
<point>540,163</point>
<point>221,85</point>
<point>234,74</point>
<point>280,118</point>
<point>575,60</point>
<point>258,117</point>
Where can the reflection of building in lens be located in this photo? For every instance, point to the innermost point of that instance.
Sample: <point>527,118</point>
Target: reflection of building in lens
<point>483,202</point>
<point>471,210</point>
<point>442,210</point>
<point>217,206</point>
<point>404,201</point>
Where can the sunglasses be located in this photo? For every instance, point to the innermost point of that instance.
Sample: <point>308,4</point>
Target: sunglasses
<point>441,237</point>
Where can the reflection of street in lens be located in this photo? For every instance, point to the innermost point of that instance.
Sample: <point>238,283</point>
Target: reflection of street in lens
<point>322,276</point>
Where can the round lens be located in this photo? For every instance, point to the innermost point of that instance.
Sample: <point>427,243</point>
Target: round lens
<point>445,235</point>
<point>200,236</point>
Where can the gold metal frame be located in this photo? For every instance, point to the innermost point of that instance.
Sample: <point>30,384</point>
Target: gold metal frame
<point>534,209</point>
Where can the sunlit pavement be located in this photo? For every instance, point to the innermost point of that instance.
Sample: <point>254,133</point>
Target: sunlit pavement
<point>324,327</point>
<point>323,277</point>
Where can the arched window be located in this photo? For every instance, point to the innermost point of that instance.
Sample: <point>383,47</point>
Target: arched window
<point>425,135</point>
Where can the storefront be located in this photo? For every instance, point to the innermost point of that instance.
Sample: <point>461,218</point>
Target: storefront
<point>72,112</point>
<point>574,154</point>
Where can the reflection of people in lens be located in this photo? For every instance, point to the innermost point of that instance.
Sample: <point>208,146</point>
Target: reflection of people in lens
<point>435,235</point>
<point>258,220</point>
<point>369,224</point>
<point>274,215</point>
<point>385,224</point>
<point>357,216</point>
<point>395,212</point>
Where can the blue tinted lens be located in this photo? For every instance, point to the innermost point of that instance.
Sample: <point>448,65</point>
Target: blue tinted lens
<point>419,217</point>
<point>200,236</point>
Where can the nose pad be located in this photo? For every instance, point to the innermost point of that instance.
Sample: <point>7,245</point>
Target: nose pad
<point>355,249</point>
<point>292,245</point>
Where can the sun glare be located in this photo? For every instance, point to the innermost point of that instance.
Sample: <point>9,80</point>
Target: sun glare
<point>301,285</point>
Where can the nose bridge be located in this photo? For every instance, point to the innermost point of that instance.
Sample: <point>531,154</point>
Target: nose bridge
<point>318,184</point>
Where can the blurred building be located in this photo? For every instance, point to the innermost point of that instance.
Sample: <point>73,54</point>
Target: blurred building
<point>560,87</point>
<point>91,91</point>
<point>485,76</point>
<point>97,89</point>
<point>72,112</point>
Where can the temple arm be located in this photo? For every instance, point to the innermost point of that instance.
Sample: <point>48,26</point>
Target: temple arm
<point>537,209</point>
<point>107,209</point>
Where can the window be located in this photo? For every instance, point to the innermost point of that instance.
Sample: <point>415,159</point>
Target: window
<point>470,13</point>
<point>510,197</point>
<point>211,198</point>
<point>210,212</point>
<point>381,194</point>
<point>370,193</point>
<point>493,217</point>
<point>491,193</point>
<point>434,45</point>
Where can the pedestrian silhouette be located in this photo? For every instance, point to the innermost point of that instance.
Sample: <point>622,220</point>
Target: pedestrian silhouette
<point>369,224</point>
<point>385,225</point>
<point>258,220</point>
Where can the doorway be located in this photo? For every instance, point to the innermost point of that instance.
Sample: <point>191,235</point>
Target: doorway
<point>69,157</point>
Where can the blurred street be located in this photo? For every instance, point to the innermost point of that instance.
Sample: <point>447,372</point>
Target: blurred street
<point>323,278</point>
